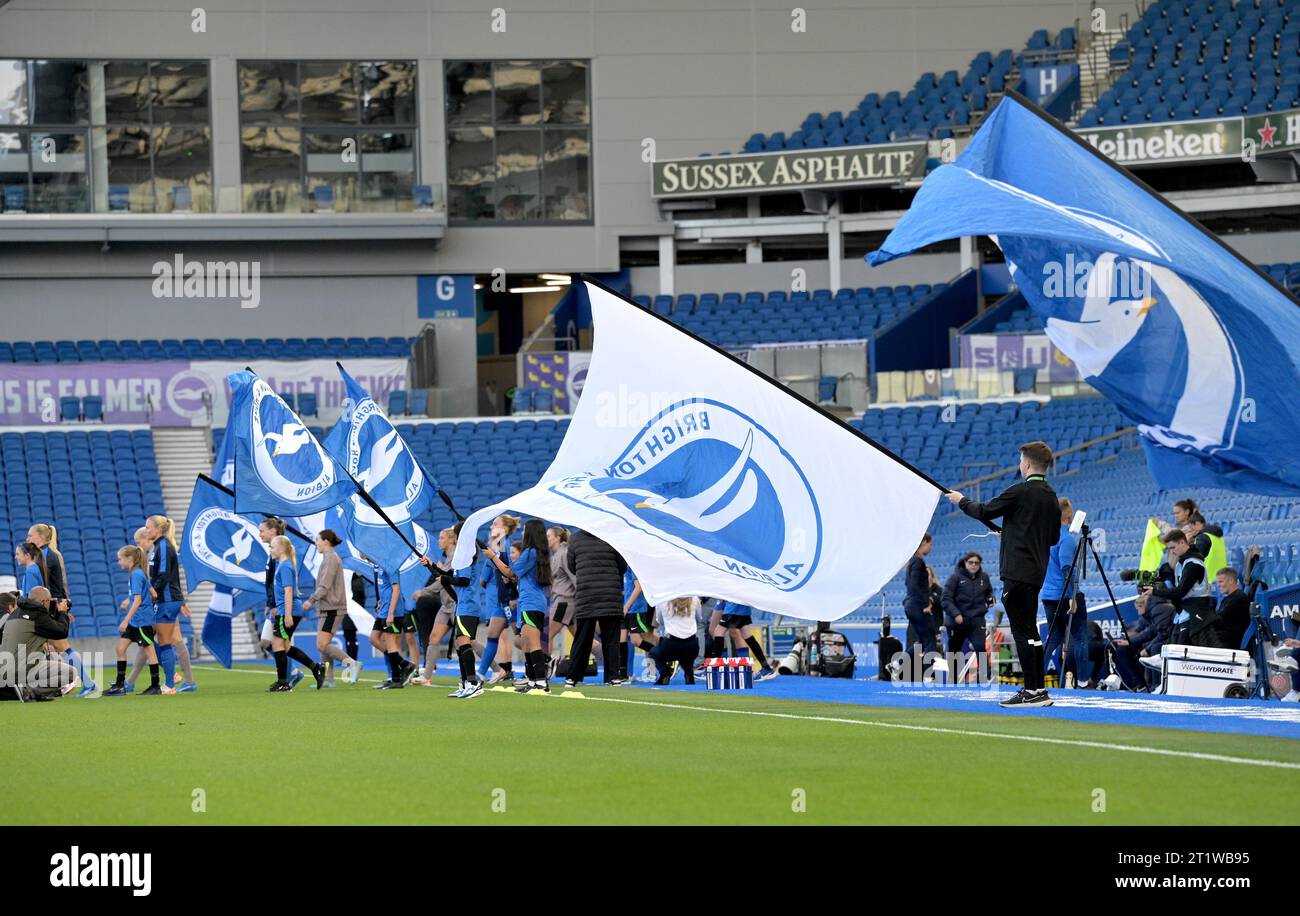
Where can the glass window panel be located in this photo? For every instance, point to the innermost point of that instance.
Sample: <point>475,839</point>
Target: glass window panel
<point>333,158</point>
<point>125,151</point>
<point>387,92</point>
<point>564,91</point>
<point>518,92</point>
<point>388,170</point>
<point>519,174</point>
<point>183,168</point>
<point>13,167</point>
<point>13,92</point>
<point>60,92</point>
<point>566,174</point>
<point>126,92</point>
<point>271,162</point>
<point>60,182</point>
<point>471,172</point>
<point>329,94</point>
<point>469,93</point>
<point>180,92</point>
<point>268,90</point>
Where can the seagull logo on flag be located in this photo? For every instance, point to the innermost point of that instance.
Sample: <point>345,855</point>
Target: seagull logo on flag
<point>709,481</point>
<point>278,435</point>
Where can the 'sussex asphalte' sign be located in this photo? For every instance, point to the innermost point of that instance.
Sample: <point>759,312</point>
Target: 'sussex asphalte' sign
<point>833,166</point>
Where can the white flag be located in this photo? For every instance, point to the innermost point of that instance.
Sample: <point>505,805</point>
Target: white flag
<point>711,479</point>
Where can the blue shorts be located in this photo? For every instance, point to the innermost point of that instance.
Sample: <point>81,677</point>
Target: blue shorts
<point>499,611</point>
<point>167,612</point>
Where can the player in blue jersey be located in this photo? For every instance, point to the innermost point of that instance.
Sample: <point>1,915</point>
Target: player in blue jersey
<point>499,648</point>
<point>391,621</point>
<point>288,614</point>
<point>531,570</point>
<point>35,573</point>
<point>137,625</point>
<point>638,621</point>
<point>169,603</point>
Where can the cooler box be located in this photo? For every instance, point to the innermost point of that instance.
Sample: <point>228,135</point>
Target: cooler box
<point>1196,671</point>
<point>728,674</point>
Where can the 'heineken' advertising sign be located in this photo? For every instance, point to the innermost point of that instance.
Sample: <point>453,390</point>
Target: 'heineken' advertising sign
<point>1141,143</point>
<point>833,166</point>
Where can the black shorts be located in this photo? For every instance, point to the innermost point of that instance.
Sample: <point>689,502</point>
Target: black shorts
<point>280,629</point>
<point>643,622</point>
<point>141,636</point>
<point>535,619</point>
<point>562,612</point>
<point>403,624</point>
<point>332,617</point>
<point>465,626</point>
<point>736,621</point>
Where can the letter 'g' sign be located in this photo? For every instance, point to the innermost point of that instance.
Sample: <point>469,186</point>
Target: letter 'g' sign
<point>445,296</point>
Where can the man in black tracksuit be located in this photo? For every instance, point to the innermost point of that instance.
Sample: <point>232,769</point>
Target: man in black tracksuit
<point>598,576</point>
<point>1031,524</point>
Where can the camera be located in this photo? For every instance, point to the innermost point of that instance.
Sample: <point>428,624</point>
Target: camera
<point>1143,577</point>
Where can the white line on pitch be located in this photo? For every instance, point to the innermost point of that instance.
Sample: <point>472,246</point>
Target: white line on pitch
<point>966,733</point>
<point>969,733</point>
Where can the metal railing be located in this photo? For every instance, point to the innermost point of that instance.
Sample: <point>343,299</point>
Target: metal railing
<point>974,486</point>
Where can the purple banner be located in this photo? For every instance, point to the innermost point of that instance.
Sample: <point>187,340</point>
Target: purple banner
<point>1016,351</point>
<point>178,393</point>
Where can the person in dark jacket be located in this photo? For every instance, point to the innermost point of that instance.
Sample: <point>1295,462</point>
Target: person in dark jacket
<point>598,576</point>
<point>967,596</point>
<point>27,671</point>
<point>916,604</point>
<point>1155,623</point>
<point>1234,609</point>
<point>1031,525</point>
<point>1195,621</point>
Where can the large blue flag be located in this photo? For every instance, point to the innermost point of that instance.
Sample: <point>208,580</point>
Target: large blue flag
<point>1194,345</point>
<point>365,442</point>
<point>219,545</point>
<point>280,468</point>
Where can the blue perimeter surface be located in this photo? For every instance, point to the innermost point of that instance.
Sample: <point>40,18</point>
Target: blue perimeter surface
<point>1243,717</point>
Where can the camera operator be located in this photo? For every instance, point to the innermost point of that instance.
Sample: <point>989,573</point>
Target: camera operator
<point>1194,617</point>
<point>1031,525</point>
<point>27,670</point>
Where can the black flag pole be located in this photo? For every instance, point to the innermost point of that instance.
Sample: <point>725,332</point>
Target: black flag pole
<point>229,492</point>
<point>788,392</point>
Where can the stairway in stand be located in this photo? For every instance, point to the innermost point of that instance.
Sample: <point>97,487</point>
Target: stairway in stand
<point>184,453</point>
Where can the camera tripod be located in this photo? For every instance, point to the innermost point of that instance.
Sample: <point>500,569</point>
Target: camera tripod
<point>1080,563</point>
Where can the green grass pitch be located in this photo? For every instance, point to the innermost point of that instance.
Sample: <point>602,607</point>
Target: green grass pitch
<point>248,757</point>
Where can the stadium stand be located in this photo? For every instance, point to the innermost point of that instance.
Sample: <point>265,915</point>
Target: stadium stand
<point>1205,58</point>
<point>733,318</point>
<point>231,348</point>
<point>1109,479</point>
<point>96,487</point>
<point>931,109</point>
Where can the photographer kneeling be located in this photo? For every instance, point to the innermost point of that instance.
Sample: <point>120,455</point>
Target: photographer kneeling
<point>27,671</point>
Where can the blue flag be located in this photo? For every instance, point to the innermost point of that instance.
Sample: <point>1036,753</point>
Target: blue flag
<point>225,601</point>
<point>219,545</point>
<point>280,468</point>
<point>1194,345</point>
<point>335,519</point>
<point>411,574</point>
<point>365,442</point>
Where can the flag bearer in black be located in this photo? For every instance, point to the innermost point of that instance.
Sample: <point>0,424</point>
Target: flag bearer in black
<point>1031,524</point>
